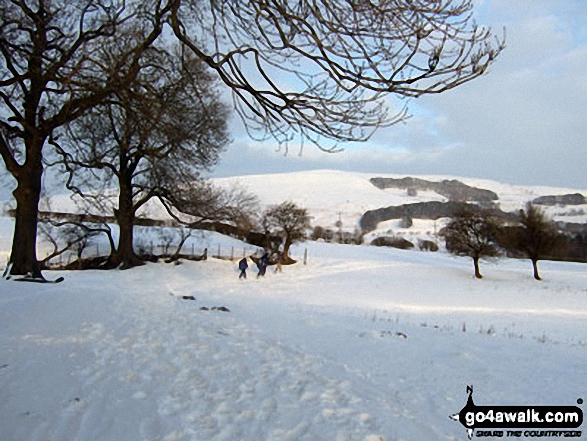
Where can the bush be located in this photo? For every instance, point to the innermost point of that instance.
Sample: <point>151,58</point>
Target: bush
<point>318,233</point>
<point>393,241</point>
<point>406,222</point>
<point>427,245</point>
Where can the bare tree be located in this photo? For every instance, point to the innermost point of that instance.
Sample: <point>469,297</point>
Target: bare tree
<point>183,235</point>
<point>161,132</point>
<point>322,70</point>
<point>289,221</point>
<point>199,201</point>
<point>62,240</point>
<point>536,237</point>
<point>67,232</point>
<point>67,236</point>
<point>55,66</point>
<point>473,233</point>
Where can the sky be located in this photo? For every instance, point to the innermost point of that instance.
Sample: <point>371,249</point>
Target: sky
<point>522,123</point>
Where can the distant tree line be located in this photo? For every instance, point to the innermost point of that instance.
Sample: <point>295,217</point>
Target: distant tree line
<point>274,230</point>
<point>337,236</point>
<point>473,231</point>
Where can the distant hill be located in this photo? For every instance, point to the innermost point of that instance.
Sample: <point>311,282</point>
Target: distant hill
<point>376,203</point>
<point>405,208</point>
<point>332,195</point>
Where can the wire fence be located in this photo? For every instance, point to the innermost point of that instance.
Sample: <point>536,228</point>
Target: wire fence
<point>165,250</point>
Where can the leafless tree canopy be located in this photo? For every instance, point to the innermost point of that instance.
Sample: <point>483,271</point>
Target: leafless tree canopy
<point>54,64</point>
<point>289,221</point>
<point>536,237</point>
<point>165,128</point>
<point>473,233</point>
<point>323,69</point>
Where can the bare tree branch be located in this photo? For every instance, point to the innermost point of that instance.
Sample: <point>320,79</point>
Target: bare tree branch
<point>323,70</point>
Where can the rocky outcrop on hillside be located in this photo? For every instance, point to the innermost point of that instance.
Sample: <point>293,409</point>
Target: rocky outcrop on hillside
<point>422,210</point>
<point>453,190</point>
<point>565,199</point>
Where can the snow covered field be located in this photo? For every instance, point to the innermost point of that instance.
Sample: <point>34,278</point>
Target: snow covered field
<point>362,343</point>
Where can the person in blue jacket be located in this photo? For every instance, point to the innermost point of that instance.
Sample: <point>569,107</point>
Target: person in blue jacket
<point>262,264</point>
<point>243,265</point>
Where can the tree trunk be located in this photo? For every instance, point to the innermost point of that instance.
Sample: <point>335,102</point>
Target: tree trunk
<point>476,264</point>
<point>23,257</point>
<point>286,246</point>
<point>535,267</point>
<point>125,255</point>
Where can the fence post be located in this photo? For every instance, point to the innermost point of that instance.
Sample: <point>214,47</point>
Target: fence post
<point>232,254</point>
<point>192,249</point>
<point>219,251</point>
<point>305,256</point>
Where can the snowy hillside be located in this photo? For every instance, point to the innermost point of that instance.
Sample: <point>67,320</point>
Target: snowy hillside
<point>361,344</point>
<point>331,196</point>
<point>326,193</point>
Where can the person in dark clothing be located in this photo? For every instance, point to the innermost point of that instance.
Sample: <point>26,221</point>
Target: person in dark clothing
<point>262,264</point>
<point>243,265</point>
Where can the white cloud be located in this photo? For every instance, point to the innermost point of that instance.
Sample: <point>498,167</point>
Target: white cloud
<point>525,122</point>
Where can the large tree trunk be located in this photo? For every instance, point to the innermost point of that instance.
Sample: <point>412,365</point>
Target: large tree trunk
<point>23,257</point>
<point>476,264</point>
<point>535,267</point>
<point>286,258</point>
<point>125,255</point>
